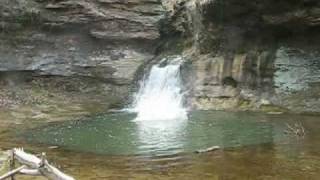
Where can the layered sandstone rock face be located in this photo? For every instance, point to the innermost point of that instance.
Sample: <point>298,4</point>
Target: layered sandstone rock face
<point>78,42</point>
<point>239,55</point>
<point>249,54</point>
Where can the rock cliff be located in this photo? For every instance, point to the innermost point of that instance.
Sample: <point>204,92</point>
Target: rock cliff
<point>75,43</point>
<point>245,55</point>
<point>248,55</point>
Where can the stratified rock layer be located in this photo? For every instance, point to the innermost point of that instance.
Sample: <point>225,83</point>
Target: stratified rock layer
<point>106,40</point>
<point>249,55</point>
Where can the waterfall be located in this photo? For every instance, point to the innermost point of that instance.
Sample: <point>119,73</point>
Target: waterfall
<point>160,96</point>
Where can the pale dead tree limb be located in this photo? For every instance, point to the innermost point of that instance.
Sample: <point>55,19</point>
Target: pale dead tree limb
<point>297,129</point>
<point>26,158</point>
<point>34,166</point>
<point>210,149</point>
<point>12,172</point>
<point>12,164</point>
<point>31,172</point>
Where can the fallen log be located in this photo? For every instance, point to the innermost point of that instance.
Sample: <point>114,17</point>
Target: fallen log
<point>25,158</point>
<point>32,165</point>
<point>11,173</point>
<point>53,173</point>
<point>213,148</point>
<point>31,172</point>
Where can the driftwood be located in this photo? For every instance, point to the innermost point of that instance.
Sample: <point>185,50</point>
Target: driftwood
<point>13,172</point>
<point>28,159</point>
<point>31,172</point>
<point>213,148</point>
<point>297,129</point>
<point>34,166</point>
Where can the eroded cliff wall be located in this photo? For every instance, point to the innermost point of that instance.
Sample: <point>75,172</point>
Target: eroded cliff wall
<point>84,46</point>
<point>245,55</point>
<point>240,55</point>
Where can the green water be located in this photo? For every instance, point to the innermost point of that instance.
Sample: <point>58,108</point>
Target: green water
<point>118,134</point>
<point>255,146</point>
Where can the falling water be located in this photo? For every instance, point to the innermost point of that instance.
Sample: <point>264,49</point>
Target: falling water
<point>160,96</point>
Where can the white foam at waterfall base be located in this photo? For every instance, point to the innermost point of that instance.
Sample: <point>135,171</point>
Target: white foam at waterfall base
<point>160,96</point>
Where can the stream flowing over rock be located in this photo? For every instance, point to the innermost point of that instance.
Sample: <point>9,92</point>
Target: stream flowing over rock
<point>248,55</point>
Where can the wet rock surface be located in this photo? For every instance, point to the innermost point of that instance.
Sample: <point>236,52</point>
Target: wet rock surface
<point>249,55</point>
<point>297,78</point>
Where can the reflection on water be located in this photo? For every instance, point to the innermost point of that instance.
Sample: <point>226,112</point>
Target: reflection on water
<point>161,137</point>
<point>117,134</point>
